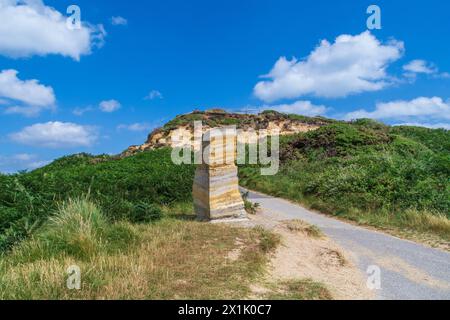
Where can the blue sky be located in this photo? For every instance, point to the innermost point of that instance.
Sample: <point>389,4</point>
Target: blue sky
<point>133,66</point>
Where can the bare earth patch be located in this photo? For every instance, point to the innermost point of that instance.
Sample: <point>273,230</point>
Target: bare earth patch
<point>306,258</point>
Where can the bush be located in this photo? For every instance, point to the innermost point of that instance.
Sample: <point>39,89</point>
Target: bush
<point>145,212</point>
<point>338,139</point>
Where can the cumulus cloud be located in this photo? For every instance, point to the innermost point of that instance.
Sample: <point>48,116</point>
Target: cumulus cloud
<point>56,135</point>
<point>109,105</point>
<point>352,64</point>
<point>23,157</point>
<point>119,21</point>
<point>415,67</point>
<point>300,107</point>
<point>29,27</point>
<point>27,97</point>
<point>419,66</point>
<point>305,108</point>
<point>80,111</point>
<point>21,161</point>
<point>136,127</point>
<point>154,94</point>
<point>422,108</point>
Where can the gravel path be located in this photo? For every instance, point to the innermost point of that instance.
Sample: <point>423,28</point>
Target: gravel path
<point>408,270</point>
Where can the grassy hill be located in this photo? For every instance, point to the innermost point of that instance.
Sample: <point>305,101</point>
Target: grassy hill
<point>105,213</point>
<point>133,189</point>
<point>365,171</point>
<point>128,223</point>
<point>368,172</point>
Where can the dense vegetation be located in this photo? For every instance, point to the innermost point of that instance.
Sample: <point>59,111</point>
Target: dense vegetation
<point>105,213</point>
<point>365,171</point>
<point>368,172</point>
<point>132,189</point>
<point>171,258</point>
<point>128,224</point>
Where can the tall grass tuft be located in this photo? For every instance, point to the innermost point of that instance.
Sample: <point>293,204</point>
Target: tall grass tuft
<point>75,230</point>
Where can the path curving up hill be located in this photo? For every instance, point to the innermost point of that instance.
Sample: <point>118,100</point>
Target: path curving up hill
<point>408,270</point>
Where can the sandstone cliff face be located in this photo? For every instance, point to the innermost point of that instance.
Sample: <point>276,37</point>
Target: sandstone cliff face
<point>265,123</point>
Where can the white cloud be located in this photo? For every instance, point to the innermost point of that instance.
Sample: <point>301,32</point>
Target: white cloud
<point>422,108</point>
<point>136,127</point>
<point>56,135</point>
<point>305,108</point>
<point>29,27</point>
<point>37,164</point>
<point>352,64</point>
<point>415,67</point>
<point>300,107</point>
<point>22,161</point>
<point>119,21</point>
<point>109,105</point>
<point>426,125</point>
<point>23,157</point>
<point>80,111</point>
<point>154,94</point>
<point>419,66</point>
<point>27,97</point>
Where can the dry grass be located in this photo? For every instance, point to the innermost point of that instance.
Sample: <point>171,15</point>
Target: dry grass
<point>305,289</point>
<point>427,221</point>
<point>428,227</point>
<point>170,259</point>
<point>297,225</point>
<point>334,257</point>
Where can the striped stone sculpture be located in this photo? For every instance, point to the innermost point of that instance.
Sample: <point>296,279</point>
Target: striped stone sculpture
<point>216,190</point>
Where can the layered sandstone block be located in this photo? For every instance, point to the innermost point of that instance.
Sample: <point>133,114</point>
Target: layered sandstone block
<point>216,190</point>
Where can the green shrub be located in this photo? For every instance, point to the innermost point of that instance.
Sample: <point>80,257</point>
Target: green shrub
<point>145,212</point>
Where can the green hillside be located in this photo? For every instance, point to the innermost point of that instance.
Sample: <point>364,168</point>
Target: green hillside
<point>105,213</point>
<point>128,223</point>
<point>133,189</point>
<point>367,172</point>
